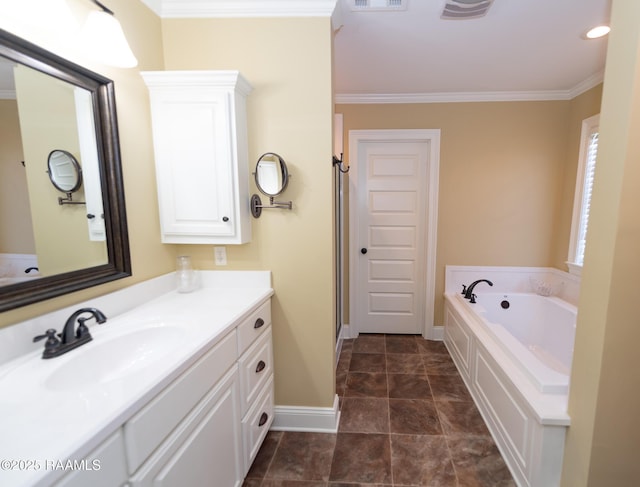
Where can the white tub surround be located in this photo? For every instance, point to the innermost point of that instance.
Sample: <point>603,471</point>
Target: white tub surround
<point>516,375</point>
<point>514,280</point>
<point>13,268</point>
<point>537,332</point>
<point>165,373</point>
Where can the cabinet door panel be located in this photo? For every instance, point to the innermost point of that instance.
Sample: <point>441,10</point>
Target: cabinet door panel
<point>205,450</point>
<point>105,466</point>
<point>195,177</point>
<point>208,455</point>
<point>148,428</point>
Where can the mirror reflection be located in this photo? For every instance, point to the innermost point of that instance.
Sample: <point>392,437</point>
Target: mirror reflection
<point>53,237</point>
<point>64,171</point>
<point>58,133</point>
<point>271,174</point>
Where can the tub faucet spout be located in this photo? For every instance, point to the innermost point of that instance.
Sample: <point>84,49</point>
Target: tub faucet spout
<point>469,292</point>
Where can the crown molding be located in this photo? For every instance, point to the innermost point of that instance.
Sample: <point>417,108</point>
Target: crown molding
<point>375,98</point>
<point>460,97</point>
<point>241,8</point>
<point>587,84</point>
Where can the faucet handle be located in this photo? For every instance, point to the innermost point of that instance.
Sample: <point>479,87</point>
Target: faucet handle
<point>82,330</point>
<point>464,289</point>
<point>52,340</point>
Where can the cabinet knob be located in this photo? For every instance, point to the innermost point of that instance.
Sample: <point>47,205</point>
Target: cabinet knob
<point>363,251</point>
<point>260,367</point>
<point>259,323</point>
<point>225,219</point>
<point>263,419</point>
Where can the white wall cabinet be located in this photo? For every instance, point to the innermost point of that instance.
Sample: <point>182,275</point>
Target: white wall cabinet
<point>200,141</point>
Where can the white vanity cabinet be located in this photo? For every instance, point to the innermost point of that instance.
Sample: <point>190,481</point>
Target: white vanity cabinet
<point>205,427</point>
<point>170,442</point>
<point>200,141</point>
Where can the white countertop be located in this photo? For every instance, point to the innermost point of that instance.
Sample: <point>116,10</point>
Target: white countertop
<point>43,421</point>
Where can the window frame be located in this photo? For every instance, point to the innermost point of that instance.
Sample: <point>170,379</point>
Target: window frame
<point>590,126</point>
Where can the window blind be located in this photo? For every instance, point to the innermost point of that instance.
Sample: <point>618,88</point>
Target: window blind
<point>592,151</point>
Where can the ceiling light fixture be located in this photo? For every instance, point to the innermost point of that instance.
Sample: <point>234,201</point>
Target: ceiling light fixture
<point>105,37</point>
<point>599,31</point>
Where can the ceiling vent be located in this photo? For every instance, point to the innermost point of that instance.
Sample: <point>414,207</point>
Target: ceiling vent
<point>465,9</point>
<point>377,5</point>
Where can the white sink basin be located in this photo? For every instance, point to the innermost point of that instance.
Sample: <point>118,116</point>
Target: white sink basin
<point>114,358</point>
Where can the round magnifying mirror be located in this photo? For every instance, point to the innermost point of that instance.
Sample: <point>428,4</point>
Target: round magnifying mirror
<point>271,174</point>
<point>64,171</point>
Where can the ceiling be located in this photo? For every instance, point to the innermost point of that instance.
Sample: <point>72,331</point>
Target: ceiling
<point>521,49</point>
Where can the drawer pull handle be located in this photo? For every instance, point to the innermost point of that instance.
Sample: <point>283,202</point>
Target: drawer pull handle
<point>263,419</point>
<point>260,367</point>
<point>259,323</point>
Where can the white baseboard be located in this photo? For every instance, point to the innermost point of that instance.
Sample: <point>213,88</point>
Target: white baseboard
<point>347,331</point>
<point>304,418</point>
<point>437,333</point>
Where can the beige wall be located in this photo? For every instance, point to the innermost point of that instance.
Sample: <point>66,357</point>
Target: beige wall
<point>290,113</point>
<point>16,233</point>
<point>149,257</point>
<point>502,166</point>
<point>604,400</point>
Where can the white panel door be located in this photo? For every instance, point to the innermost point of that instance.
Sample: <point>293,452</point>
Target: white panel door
<point>391,236</point>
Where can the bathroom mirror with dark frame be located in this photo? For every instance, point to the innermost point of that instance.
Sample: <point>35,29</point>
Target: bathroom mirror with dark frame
<point>105,128</point>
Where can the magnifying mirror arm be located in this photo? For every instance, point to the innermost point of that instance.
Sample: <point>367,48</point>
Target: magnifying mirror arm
<point>279,204</point>
<point>257,206</point>
<point>68,200</point>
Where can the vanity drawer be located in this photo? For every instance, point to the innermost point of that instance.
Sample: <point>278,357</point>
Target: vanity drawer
<point>256,367</point>
<point>256,424</point>
<point>148,428</point>
<point>251,328</point>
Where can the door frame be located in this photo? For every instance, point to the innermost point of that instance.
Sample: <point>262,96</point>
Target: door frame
<point>432,137</point>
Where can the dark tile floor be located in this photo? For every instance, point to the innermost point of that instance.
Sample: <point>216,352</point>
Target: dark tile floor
<point>407,419</point>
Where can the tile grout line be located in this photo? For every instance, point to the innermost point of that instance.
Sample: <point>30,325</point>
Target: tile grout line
<point>444,434</point>
<point>386,370</point>
<point>275,452</point>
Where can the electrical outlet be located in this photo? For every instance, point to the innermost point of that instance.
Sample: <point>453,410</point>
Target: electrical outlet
<point>220,255</point>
